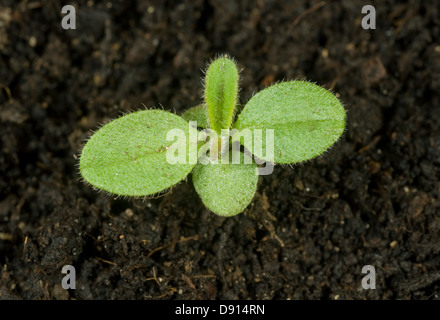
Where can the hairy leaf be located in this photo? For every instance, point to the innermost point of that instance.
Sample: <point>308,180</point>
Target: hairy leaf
<point>226,189</point>
<point>221,91</point>
<point>128,156</point>
<point>306,119</point>
<point>199,114</point>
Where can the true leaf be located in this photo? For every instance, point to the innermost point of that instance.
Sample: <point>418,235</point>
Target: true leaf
<point>199,114</point>
<point>226,189</point>
<point>306,119</point>
<point>128,156</point>
<point>221,91</point>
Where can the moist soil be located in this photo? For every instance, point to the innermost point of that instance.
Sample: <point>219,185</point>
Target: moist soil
<point>373,199</point>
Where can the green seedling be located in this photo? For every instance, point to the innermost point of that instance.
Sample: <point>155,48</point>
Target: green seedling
<point>138,155</point>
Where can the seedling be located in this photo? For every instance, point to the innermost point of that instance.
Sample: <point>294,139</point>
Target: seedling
<point>137,155</point>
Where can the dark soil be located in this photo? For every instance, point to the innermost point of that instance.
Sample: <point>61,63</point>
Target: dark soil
<point>373,199</point>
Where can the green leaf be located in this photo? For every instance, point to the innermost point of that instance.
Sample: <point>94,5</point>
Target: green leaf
<point>199,114</point>
<point>226,189</point>
<point>306,119</point>
<point>221,91</point>
<point>128,156</point>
